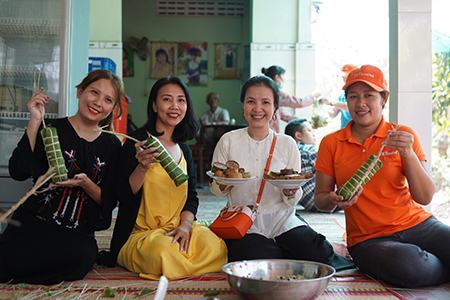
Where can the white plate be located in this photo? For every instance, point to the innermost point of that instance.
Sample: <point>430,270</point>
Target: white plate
<point>288,183</point>
<point>230,181</point>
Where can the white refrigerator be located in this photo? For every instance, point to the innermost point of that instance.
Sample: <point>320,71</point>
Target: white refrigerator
<point>43,43</point>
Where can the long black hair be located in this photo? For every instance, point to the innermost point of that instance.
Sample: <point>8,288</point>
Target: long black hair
<point>265,81</point>
<point>188,127</point>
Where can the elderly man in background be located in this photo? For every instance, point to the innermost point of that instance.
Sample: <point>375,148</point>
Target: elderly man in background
<point>216,115</point>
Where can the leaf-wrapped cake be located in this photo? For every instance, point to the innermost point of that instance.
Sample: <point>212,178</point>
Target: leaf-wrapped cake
<point>54,154</point>
<point>166,161</point>
<point>360,178</point>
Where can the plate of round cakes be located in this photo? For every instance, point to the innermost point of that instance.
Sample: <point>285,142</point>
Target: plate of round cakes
<point>229,173</point>
<point>288,178</point>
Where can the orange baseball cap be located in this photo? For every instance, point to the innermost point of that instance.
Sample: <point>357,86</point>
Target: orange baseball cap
<point>368,74</point>
<point>347,68</point>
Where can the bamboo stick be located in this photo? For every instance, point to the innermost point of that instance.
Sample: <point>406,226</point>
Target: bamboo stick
<point>118,134</point>
<point>170,166</point>
<point>39,182</point>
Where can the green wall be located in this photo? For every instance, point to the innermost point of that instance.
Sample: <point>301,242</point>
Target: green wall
<point>274,21</point>
<point>140,19</point>
<point>106,20</point>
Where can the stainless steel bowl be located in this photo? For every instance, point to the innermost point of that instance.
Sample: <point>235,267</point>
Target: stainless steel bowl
<point>272,278</point>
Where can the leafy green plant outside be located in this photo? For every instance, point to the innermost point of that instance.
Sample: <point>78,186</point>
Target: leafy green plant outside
<point>441,93</point>
<point>441,122</point>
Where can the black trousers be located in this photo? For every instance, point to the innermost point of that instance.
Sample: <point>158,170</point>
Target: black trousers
<point>300,243</point>
<point>416,257</point>
<point>39,253</point>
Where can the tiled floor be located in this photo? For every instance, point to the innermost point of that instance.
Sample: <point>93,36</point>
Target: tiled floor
<point>210,205</point>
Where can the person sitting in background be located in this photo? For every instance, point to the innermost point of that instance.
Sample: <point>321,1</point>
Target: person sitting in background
<point>391,237</point>
<point>276,73</point>
<point>216,115</point>
<point>302,132</point>
<point>341,105</point>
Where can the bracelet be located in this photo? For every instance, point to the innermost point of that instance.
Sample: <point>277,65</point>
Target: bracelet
<point>186,222</point>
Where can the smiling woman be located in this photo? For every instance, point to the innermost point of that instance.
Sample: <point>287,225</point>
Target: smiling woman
<point>390,235</point>
<point>60,220</point>
<point>155,232</point>
<point>276,231</point>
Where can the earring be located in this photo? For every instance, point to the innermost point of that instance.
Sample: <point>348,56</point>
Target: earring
<point>274,117</point>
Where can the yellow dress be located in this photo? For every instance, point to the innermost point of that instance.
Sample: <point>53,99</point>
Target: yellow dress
<point>150,252</point>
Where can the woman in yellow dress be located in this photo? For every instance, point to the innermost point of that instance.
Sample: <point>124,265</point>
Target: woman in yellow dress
<point>156,233</point>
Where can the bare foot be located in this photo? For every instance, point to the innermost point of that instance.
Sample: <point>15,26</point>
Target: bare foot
<point>341,249</point>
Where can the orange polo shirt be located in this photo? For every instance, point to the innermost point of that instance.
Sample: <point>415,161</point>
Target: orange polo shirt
<point>385,205</point>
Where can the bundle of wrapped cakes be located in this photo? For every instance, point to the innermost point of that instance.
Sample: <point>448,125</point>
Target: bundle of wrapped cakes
<point>230,169</point>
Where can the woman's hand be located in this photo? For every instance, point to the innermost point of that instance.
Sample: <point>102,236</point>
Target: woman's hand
<point>401,141</point>
<point>289,192</point>
<point>420,183</point>
<point>145,157</point>
<point>36,105</point>
<point>338,201</point>
<point>325,101</point>
<point>225,188</point>
<point>83,181</point>
<point>182,235</point>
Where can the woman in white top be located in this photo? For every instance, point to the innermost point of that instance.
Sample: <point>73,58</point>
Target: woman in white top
<point>276,231</point>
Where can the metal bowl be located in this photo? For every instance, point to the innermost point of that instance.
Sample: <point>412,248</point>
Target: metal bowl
<point>278,278</point>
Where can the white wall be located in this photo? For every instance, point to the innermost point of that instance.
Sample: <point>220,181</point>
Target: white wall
<point>105,34</point>
<point>411,68</point>
<point>272,44</point>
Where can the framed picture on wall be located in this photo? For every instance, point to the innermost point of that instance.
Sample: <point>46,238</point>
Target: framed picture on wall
<point>162,59</point>
<point>225,61</point>
<point>193,63</point>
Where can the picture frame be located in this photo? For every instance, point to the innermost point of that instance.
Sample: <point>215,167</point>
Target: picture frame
<point>226,61</point>
<point>162,62</point>
<point>192,63</point>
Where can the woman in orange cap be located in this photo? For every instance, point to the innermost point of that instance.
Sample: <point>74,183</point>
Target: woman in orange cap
<point>390,235</point>
<point>341,105</point>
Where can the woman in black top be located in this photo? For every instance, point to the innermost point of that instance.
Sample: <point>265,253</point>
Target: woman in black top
<point>155,232</point>
<point>54,240</point>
